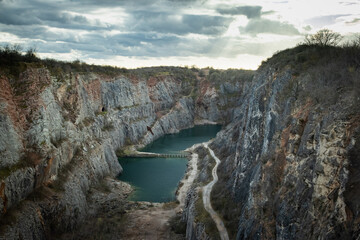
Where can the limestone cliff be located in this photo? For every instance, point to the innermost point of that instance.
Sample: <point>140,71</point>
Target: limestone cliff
<point>290,157</point>
<point>60,131</point>
<point>289,148</point>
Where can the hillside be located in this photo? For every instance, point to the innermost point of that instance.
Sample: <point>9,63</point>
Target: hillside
<point>62,124</point>
<point>289,148</point>
<point>290,157</point>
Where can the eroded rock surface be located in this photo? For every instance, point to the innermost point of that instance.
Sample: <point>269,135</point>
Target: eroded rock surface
<point>59,137</point>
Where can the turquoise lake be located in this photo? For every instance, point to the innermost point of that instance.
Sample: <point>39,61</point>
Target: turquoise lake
<point>156,179</point>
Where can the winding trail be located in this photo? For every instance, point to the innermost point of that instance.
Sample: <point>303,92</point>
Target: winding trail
<point>206,197</point>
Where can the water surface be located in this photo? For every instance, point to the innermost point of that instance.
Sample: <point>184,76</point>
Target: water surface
<point>156,179</point>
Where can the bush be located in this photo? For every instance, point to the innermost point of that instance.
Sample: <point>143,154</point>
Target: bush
<point>177,225</point>
<point>108,127</point>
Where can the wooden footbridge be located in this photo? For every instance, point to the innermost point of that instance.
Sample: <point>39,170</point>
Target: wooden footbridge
<point>158,155</point>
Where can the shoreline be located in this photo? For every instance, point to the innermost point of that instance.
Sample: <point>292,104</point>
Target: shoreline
<point>189,176</point>
<point>152,218</point>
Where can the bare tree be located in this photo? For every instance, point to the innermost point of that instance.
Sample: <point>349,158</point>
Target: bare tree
<point>356,42</point>
<point>324,37</point>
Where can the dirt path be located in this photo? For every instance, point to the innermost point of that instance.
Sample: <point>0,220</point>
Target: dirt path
<point>206,197</point>
<point>150,220</point>
<point>116,218</point>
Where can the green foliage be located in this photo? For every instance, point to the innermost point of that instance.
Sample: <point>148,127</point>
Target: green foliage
<point>162,74</point>
<point>217,77</point>
<point>58,141</point>
<point>179,73</point>
<point>304,57</point>
<point>108,127</point>
<point>13,61</point>
<point>103,186</point>
<point>320,73</point>
<point>6,171</point>
<point>177,225</point>
<point>170,205</point>
<point>226,207</point>
<point>63,174</point>
<point>88,121</point>
<point>29,159</point>
<point>120,152</point>
<point>128,141</point>
<point>101,113</point>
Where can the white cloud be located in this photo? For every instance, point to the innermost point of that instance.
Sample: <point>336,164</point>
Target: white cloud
<point>218,33</point>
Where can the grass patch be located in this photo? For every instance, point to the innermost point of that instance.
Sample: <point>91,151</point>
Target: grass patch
<point>224,205</point>
<point>170,205</point>
<point>123,152</point>
<point>108,127</point>
<point>88,121</point>
<point>177,225</point>
<point>29,159</point>
<point>103,186</point>
<point>57,142</point>
<point>100,113</point>
<point>58,184</point>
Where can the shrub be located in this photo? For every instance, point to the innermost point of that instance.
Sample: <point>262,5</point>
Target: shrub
<point>177,225</point>
<point>108,127</point>
<point>88,121</point>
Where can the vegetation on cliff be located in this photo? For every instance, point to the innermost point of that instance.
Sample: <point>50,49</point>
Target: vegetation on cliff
<point>285,159</point>
<point>300,109</point>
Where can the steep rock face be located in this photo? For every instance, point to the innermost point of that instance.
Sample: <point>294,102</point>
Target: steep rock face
<point>288,156</point>
<point>59,137</point>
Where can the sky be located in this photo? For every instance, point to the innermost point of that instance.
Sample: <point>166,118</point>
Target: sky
<point>138,33</point>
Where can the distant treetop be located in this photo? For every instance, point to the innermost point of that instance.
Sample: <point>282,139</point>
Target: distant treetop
<point>324,37</point>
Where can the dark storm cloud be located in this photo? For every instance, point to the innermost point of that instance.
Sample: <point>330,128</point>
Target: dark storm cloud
<point>248,11</point>
<point>138,28</point>
<point>163,22</point>
<point>45,17</point>
<point>256,26</point>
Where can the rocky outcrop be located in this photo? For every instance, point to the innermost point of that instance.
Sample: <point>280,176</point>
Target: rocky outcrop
<point>289,151</point>
<point>59,137</point>
<point>288,157</point>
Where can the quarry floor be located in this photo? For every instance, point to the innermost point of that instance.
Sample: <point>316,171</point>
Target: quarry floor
<point>112,216</point>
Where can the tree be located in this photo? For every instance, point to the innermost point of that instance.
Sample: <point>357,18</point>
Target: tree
<point>356,42</point>
<point>324,37</point>
<point>30,55</point>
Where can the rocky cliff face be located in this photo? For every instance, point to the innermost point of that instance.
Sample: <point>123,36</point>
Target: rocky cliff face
<point>290,156</point>
<point>289,151</point>
<point>59,137</point>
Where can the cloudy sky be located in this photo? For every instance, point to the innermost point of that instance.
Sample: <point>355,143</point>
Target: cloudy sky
<point>135,33</point>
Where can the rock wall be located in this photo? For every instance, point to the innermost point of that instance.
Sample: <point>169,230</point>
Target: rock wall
<point>59,137</point>
<point>289,150</point>
<point>290,155</point>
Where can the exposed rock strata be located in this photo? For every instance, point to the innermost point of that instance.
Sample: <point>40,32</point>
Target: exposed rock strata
<point>289,152</point>
<point>59,138</point>
<point>289,156</point>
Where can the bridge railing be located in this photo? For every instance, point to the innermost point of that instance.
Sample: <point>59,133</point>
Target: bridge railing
<point>160,155</point>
